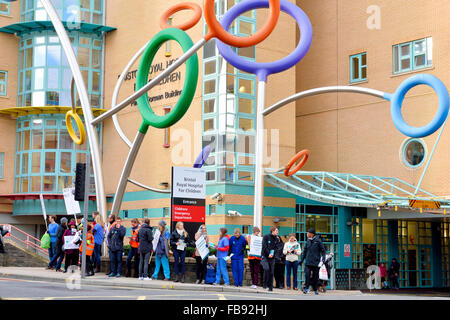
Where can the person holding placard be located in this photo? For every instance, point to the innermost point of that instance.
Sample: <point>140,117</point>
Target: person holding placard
<point>222,253</point>
<point>179,239</point>
<point>254,256</point>
<point>52,229</point>
<point>237,246</point>
<point>72,254</point>
<point>201,263</point>
<point>162,252</point>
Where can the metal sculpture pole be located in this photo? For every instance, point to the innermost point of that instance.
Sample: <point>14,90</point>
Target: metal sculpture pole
<point>85,104</point>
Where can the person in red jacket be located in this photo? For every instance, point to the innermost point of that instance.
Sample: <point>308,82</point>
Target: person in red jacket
<point>383,276</point>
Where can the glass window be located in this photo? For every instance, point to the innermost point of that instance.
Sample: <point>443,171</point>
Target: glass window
<point>2,164</point>
<point>3,82</point>
<point>245,86</point>
<point>209,106</point>
<point>210,86</point>
<point>358,67</point>
<point>4,7</point>
<point>414,152</point>
<point>246,106</point>
<point>210,67</point>
<point>413,55</point>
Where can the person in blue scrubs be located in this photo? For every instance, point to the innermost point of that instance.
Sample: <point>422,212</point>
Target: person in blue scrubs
<point>238,244</point>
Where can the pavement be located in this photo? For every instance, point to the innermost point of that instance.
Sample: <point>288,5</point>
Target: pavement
<point>100,279</point>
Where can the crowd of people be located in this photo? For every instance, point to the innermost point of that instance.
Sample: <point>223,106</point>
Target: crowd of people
<point>277,261</point>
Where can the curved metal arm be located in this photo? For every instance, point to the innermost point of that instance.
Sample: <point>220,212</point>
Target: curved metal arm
<point>147,187</point>
<point>313,92</point>
<point>85,104</point>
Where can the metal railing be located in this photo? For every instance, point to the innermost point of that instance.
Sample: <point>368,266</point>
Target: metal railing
<point>24,240</point>
<point>350,279</point>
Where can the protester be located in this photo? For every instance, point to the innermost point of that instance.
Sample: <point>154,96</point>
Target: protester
<point>200,267</point>
<point>109,225</point>
<point>383,276</point>
<point>95,214</point>
<point>254,261</point>
<point>280,264</point>
<point>394,270</point>
<point>71,254</point>
<point>2,234</point>
<point>312,253</point>
<point>328,265</point>
<point>237,243</point>
<point>222,252</point>
<point>292,250</point>
<point>162,252</point>
<point>269,245</point>
<point>52,229</point>
<point>58,257</point>
<point>99,233</point>
<point>115,241</point>
<point>90,244</point>
<point>179,240</point>
<point>134,245</point>
<point>145,238</point>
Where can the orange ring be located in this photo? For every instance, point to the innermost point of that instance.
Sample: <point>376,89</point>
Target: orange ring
<point>216,29</point>
<point>305,154</point>
<point>179,7</point>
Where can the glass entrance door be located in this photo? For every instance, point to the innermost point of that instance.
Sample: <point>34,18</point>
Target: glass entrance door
<point>425,266</point>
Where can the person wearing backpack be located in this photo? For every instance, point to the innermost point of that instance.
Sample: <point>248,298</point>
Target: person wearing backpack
<point>237,247</point>
<point>52,229</point>
<point>145,238</point>
<point>201,265</point>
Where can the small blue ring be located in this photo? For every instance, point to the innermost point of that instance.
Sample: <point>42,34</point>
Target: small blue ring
<point>397,101</point>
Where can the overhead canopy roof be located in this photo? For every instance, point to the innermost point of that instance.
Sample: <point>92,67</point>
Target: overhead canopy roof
<point>27,27</point>
<point>24,111</point>
<point>353,190</point>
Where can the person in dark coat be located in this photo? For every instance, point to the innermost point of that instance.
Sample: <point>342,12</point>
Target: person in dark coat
<point>312,254</point>
<point>2,234</point>
<point>269,245</point>
<point>394,271</point>
<point>178,239</point>
<point>115,242</point>
<point>72,255</point>
<point>280,263</point>
<point>59,247</point>
<point>145,236</point>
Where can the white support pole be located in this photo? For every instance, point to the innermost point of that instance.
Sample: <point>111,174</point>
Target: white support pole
<point>259,154</point>
<point>85,104</point>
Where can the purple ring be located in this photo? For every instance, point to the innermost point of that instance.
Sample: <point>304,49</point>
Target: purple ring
<point>201,158</point>
<point>263,70</point>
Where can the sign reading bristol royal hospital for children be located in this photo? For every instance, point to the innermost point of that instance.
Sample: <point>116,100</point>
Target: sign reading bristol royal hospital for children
<point>188,197</point>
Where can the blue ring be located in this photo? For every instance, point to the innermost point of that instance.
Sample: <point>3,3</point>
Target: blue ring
<point>202,157</point>
<point>397,101</point>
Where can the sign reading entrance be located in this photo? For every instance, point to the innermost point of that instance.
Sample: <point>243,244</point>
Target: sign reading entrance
<point>424,204</point>
<point>188,198</point>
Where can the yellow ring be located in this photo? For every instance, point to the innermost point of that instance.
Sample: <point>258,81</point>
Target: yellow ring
<point>70,114</point>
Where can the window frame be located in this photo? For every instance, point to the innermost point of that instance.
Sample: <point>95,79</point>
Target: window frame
<point>5,83</point>
<point>397,55</point>
<point>360,67</point>
<point>6,13</point>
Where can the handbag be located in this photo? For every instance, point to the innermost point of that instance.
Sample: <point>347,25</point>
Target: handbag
<point>323,274</point>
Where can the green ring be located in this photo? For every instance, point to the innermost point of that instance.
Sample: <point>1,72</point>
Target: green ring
<point>190,84</point>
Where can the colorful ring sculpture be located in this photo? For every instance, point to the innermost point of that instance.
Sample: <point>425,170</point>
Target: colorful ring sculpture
<point>179,7</point>
<point>262,70</point>
<point>190,84</point>
<point>78,140</point>
<point>305,154</point>
<point>397,101</point>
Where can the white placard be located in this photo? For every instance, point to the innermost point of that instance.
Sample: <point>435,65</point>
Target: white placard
<point>69,242</point>
<point>201,247</point>
<point>181,246</point>
<point>188,183</point>
<point>255,246</point>
<point>156,239</point>
<point>72,206</point>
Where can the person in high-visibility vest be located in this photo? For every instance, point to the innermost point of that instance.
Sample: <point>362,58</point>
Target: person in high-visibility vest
<point>90,244</point>
<point>134,245</point>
